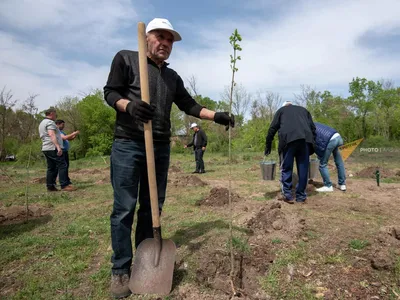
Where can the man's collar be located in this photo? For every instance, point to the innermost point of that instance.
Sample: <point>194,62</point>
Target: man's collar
<point>164,64</point>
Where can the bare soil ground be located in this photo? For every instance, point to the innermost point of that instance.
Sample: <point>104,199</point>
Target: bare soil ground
<point>339,245</point>
<point>17,213</point>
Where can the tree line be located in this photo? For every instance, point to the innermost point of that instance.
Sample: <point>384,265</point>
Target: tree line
<point>371,111</point>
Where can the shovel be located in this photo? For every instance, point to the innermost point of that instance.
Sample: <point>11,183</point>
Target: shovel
<point>154,262</point>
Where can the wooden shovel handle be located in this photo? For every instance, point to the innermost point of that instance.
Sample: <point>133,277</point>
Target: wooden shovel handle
<point>148,132</point>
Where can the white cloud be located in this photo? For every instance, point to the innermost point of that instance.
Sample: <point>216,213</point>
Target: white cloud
<point>37,52</point>
<point>33,70</point>
<point>310,44</point>
<point>74,25</point>
<point>48,48</point>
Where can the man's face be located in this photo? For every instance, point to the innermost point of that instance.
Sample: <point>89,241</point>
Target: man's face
<point>195,129</point>
<point>53,115</point>
<point>61,126</point>
<point>159,44</point>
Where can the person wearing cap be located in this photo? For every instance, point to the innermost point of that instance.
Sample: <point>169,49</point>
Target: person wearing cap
<point>199,144</point>
<point>128,156</point>
<point>52,145</point>
<point>296,132</point>
<point>327,142</point>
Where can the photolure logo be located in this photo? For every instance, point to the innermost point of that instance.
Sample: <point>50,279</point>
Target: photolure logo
<point>378,150</point>
<point>348,149</point>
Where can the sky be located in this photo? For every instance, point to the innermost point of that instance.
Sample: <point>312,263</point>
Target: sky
<point>64,48</point>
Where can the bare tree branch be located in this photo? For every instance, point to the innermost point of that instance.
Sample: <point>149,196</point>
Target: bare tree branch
<point>192,82</point>
<point>6,105</point>
<point>266,104</point>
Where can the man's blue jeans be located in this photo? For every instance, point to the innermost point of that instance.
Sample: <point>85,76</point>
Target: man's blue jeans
<point>56,165</point>
<point>130,183</point>
<point>332,148</point>
<point>298,150</point>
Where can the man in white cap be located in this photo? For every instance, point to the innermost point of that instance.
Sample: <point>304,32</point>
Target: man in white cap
<point>128,156</point>
<point>199,144</point>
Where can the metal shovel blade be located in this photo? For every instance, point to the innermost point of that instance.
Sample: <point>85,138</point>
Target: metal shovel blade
<point>146,277</point>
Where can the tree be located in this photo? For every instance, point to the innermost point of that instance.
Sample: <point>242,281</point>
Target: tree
<point>363,93</point>
<point>387,102</point>
<point>307,96</point>
<point>6,113</point>
<point>241,101</point>
<point>192,82</point>
<point>67,109</point>
<point>27,119</point>
<point>96,125</point>
<point>265,105</point>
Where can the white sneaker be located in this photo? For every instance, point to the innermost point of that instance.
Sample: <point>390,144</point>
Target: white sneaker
<point>325,189</point>
<point>342,187</point>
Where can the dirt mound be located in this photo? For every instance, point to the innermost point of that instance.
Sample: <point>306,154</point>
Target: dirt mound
<point>254,168</point>
<point>90,171</point>
<point>219,196</point>
<point>17,213</point>
<point>385,248</point>
<point>215,269</point>
<point>371,171</point>
<point>104,180</point>
<point>4,178</point>
<point>271,222</point>
<point>174,169</point>
<point>186,181</point>
<point>39,180</point>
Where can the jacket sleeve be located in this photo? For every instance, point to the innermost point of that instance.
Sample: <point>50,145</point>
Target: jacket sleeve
<point>312,126</point>
<point>117,80</point>
<point>185,102</point>
<point>191,143</point>
<point>204,136</point>
<point>273,128</point>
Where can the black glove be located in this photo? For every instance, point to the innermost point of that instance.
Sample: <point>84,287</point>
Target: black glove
<point>224,119</point>
<point>267,150</point>
<point>140,110</point>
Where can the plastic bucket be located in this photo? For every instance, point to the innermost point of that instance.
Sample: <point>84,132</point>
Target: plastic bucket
<point>313,170</point>
<point>268,170</point>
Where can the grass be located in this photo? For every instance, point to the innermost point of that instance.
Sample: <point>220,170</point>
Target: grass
<point>358,244</point>
<point>239,244</point>
<point>66,253</point>
<point>397,270</point>
<point>276,241</point>
<point>275,282</point>
<point>337,258</point>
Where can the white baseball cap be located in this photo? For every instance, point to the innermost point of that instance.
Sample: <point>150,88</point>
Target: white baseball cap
<point>163,24</point>
<point>193,125</point>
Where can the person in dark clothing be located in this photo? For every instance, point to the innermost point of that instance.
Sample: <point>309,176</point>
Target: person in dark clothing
<point>128,156</point>
<point>199,144</point>
<point>66,138</point>
<point>327,142</point>
<point>296,132</point>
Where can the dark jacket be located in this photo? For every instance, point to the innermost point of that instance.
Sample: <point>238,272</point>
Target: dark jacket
<point>324,135</point>
<point>201,140</point>
<point>292,123</point>
<point>165,85</point>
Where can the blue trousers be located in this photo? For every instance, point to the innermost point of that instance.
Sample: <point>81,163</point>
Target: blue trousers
<point>332,148</point>
<point>295,150</point>
<point>129,179</point>
<point>56,165</point>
